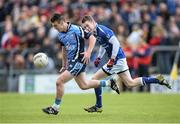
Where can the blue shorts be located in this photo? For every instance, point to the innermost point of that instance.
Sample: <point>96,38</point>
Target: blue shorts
<point>76,67</point>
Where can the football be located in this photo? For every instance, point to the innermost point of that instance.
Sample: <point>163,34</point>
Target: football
<point>40,60</point>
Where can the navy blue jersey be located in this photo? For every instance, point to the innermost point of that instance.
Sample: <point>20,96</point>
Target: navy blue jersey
<point>103,35</point>
<point>73,41</point>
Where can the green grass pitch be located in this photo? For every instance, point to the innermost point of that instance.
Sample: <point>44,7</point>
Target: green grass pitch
<point>123,108</point>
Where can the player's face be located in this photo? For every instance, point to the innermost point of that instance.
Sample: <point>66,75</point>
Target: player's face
<point>89,26</point>
<point>59,26</point>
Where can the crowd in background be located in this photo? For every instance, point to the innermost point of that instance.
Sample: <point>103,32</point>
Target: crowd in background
<point>139,25</point>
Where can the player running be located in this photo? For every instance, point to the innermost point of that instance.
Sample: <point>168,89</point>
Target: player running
<point>71,37</point>
<point>117,61</point>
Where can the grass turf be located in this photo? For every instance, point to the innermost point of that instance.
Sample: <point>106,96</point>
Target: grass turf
<point>124,108</point>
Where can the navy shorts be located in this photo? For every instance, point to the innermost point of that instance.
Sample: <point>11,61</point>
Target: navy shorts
<point>76,67</point>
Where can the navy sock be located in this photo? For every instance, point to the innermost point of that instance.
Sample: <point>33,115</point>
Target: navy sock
<point>57,101</point>
<point>98,92</point>
<point>149,80</point>
<point>102,83</point>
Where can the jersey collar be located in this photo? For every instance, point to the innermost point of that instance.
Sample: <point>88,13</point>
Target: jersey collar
<point>68,27</point>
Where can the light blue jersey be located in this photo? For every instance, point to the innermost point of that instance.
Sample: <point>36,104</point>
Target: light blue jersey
<point>103,35</point>
<point>73,41</point>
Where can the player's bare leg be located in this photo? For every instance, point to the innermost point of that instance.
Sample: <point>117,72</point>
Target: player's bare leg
<point>62,79</point>
<point>100,74</point>
<point>84,84</point>
<point>129,82</point>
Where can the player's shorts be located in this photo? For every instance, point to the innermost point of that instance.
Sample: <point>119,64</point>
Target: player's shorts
<point>76,67</point>
<point>119,67</point>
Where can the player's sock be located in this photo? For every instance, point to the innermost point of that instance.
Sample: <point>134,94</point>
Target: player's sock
<point>149,80</point>
<point>105,83</point>
<point>98,92</point>
<point>56,103</point>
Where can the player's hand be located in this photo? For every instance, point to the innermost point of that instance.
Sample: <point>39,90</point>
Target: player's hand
<point>86,57</point>
<point>97,61</point>
<point>110,63</point>
<point>62,69</point>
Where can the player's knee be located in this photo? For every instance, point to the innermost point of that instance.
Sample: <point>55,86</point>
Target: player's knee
<point>59,82</point>
<point>93,78</point>
<point>129,84</point>
<point>84,87</point>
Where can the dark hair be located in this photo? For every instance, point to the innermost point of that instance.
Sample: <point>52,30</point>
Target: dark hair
<point>57,17</point>
<point>87,18</point>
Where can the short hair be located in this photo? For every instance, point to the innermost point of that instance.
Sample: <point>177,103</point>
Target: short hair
<point>87,18</point>
<point>57,17</point>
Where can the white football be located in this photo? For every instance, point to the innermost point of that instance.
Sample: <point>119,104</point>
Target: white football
<point>40,60</point>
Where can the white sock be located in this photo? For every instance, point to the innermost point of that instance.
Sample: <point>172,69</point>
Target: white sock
<point>141,80</point>
<point>55,106</point>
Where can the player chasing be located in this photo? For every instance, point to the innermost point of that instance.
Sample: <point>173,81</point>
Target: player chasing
<point>71,37</point>
<point>117,61</point>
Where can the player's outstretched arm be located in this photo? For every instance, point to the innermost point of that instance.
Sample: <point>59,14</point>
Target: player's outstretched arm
<point>87,53</point>
<point>116,45</point>
<point>64,60</point>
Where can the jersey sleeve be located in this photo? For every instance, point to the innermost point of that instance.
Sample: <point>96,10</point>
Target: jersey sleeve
<point>59,40</point>
<point>105,32</point>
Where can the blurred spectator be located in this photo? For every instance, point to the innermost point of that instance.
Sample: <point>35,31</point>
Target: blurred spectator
<point>2,11</point>
<point>158,32</point>
<point>174,31</point>
<point>171,6</point>
<point>19,61</point>
<point>2,60</point>
<point>134,15</point>
<point>163,12</point>
<point>121,33</point>
<point>153,12</point>
<point>48,48</point>
<point>23,24</point>
<point>29,62</point>
<point>124,12</point>
<point>177,17</point>
<point>40,35</point>
<point>9,39</point>
<point>160,37</point>
<point>135,36</point>
<point>143,57</point>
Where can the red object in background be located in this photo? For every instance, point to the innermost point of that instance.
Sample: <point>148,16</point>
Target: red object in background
<point>155,41</point>
<point>12,42</point>
<point>122,2</point>
<point>59,9</point>
<point>145,60</point>
<point>131,61</point>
